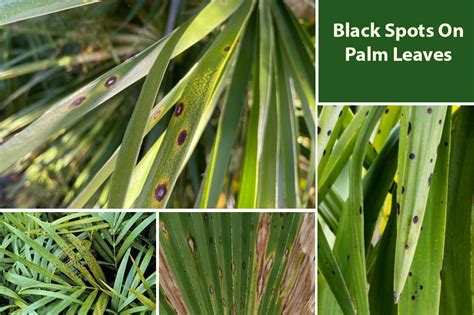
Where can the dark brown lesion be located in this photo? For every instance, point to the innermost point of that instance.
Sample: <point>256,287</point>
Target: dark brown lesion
<point>160,191</point>
<point>263,235</point>
<point>110,81</point>
<point>182,136</point>
<point>170,287</point>
<point>78,101</point>
<point>179,109</point>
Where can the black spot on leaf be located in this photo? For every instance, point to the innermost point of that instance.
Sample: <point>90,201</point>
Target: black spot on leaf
<point>412,156</point>
<point>415,219</point>
<point>160,192</point>
<point>179,109</point>
<point>110,81</point>
<point>409,128</point>
<point>182,137</point>
<point>429,110</point>
<point>77,102</point>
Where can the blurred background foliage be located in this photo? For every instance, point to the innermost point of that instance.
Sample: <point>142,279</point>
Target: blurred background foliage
<point>46,58</point>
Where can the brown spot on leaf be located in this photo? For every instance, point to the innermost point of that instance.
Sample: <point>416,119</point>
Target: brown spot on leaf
<point>77,102</point>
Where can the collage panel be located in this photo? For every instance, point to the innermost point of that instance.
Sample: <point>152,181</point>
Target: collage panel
<point>395,200</point>
<point>157,104</point>
<point>78,263</point>
<point>237,263</point>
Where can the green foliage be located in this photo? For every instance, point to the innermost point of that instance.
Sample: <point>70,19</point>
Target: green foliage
<point>210,126</point>
<point>76,263</point>
<point>223,263</point>
<point>395,202</point>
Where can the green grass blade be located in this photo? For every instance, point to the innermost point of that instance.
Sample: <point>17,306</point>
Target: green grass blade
<point>136,129</point>
<point>101,304</point>
<point>423,287</point>
<point>165,305</point>
<point>228,124</point>
<point>46,254</point>
<point>88,303</point>
<point>89,258</point>
<point>329,125</point>
<point>39,269</point>
<point>331,272</point>
<point>128,242</point>
<point>192,114</point>
<point>421,129</point>
<point>70,300</point>
<point>17,10</point>
<point>68,249</point>
<point>355,229</point>
<point>143,280</point>
<point>248,185</point>
<point>268,172</point>
<point>381,283</point>
<point>287,122</point>
<point>149,303</point>
<point>377,182</point>
<point>341,153</point>
<point>68,110</point>
<point>119,279</point>
<point>456,275</point>
<point>387,123</point>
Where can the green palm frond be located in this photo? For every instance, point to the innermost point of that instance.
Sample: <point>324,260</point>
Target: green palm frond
<point>226,95</point>
<point>395,209</point>
<point>54,262</point>
<point>234,263</point>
